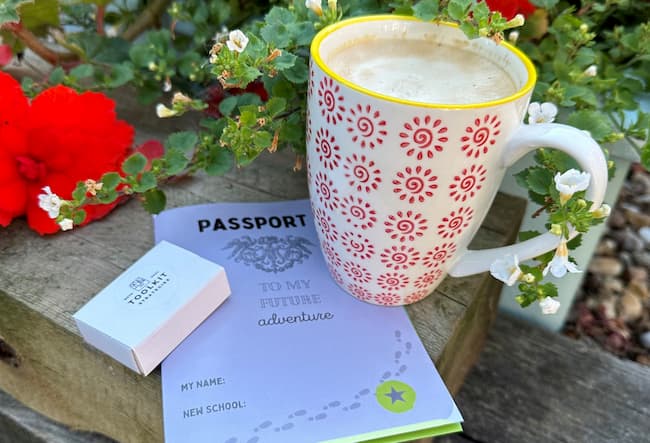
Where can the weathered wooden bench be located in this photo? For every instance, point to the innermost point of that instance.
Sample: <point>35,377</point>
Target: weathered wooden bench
<point>531,385</point>
<point>43,281</point>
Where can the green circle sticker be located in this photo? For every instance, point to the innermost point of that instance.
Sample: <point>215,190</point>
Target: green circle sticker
<point>395,396</point>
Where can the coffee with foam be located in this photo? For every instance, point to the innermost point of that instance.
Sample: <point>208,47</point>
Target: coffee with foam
<point>421,71</point>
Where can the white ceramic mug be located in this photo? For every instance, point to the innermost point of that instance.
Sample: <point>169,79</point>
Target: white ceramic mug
<point>399,187</point>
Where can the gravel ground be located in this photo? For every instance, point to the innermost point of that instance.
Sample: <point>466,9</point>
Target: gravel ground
<point>613,306</point>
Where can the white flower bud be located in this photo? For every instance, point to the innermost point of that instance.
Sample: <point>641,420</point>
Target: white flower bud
<point>549,306</point>
<point>591,71</point>
<point>163,111</point>
<point>66,224</point>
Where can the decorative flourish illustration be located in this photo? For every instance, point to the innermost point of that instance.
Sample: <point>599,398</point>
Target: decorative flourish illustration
<point>270,253</point>
<point>366,126</point>
<point>467,183</point>
<point>481,136</point>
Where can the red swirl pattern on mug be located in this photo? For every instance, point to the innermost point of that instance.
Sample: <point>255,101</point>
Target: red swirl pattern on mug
<point>400,257</point>
<point>362,173</point>
<point>366,126</point>
<point>336,275</point>
<point>326,192</point>
<point>467,183</point>
<point>439,255</point>
<point>415,296</point>
<point>423,137</point>
<point>357,272</point>
<point>358,212</point>
<point>357,245</point>
<point>325,225</point>
<point>331,256</point>
<point>426,280</point>
<point>327,149</point>
<point>359,292</point>
<point>455,222</point>
<point>387,299</point>
<point>481,136</point>
<point>392,280</point>
<point>405,225</point>
<point>330,101</point>
<point>415,184</point>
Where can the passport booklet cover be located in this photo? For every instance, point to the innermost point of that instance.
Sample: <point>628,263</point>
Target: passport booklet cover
<point>290,357</point>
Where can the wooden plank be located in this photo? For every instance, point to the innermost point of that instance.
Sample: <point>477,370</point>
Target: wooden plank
<point>43,281</point>
<point>531,385</point>
<point>19,424</point>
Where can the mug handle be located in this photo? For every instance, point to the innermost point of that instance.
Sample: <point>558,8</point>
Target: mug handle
<point>528,138</point>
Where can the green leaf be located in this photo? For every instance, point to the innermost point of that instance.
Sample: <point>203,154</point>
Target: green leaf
<point>539,180</point>
<point>57,75</point>
<point>548,290</point>
<point>298,73</point>
<point>575,242</point>
<point>597,123</point>
<point>141,54</point>
<point>285,61</point>
<point>9,10</point>
<point>276,35</point>
<point>275,105</point>
<point>645,155</point>
<point>183,141</point>
<point>228,105</point>
<point>134,164</point>
<point>262,139</point>
<point>79,193</point>
<point>526,235</point>
<point>176,161</point>
<point>546,4</point>
<point>147,181</point>
<point>110,180</point>
<point>221,161</point>
<point>82,71</point>
<point>278,15</point>
<point>39,13</point>
<point>79,216</point>
<point>458,8</point>
<point>427,9</point>
<point>154,201</point>
<point>120,75</point>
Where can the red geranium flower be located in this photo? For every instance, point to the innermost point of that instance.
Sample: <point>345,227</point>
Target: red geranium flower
<point>58,139</point>
<point>510,8</point>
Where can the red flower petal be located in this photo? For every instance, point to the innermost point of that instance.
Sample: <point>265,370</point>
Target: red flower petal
<point>5,54</point>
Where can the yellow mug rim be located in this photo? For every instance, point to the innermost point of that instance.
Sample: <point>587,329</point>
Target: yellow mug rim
<point>328,30</point>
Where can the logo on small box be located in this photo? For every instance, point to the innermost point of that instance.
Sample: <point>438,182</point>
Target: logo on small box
<point>145,289</point>
<point>138,283</point>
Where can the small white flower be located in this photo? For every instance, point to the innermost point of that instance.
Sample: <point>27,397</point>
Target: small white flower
<point>49,202</point>
<point>541,113</point>
<point>66,224</point>
<point>549,306</point>
<point>560,263</point>
<point>570,182</point>
<point>167,86</point>
<point>603,211</point>
<point>237,41</point>
<point>513,37</point>
<point>591,71</point>
<point>315,6</point>
<point>163,111</point>
<point>517,20</point>
<point>506,269</point>
<point>110,31</point>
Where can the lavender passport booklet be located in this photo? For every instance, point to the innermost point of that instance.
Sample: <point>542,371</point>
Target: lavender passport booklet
<point>290,357</point>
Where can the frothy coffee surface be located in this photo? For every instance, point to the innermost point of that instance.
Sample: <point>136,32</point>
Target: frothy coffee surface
<point>422,71</point>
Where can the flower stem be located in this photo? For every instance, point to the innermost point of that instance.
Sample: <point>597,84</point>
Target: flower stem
<point>35,44</point>
<point>147,18</point>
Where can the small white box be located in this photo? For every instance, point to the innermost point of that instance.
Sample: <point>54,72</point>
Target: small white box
<point>142,315</point>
